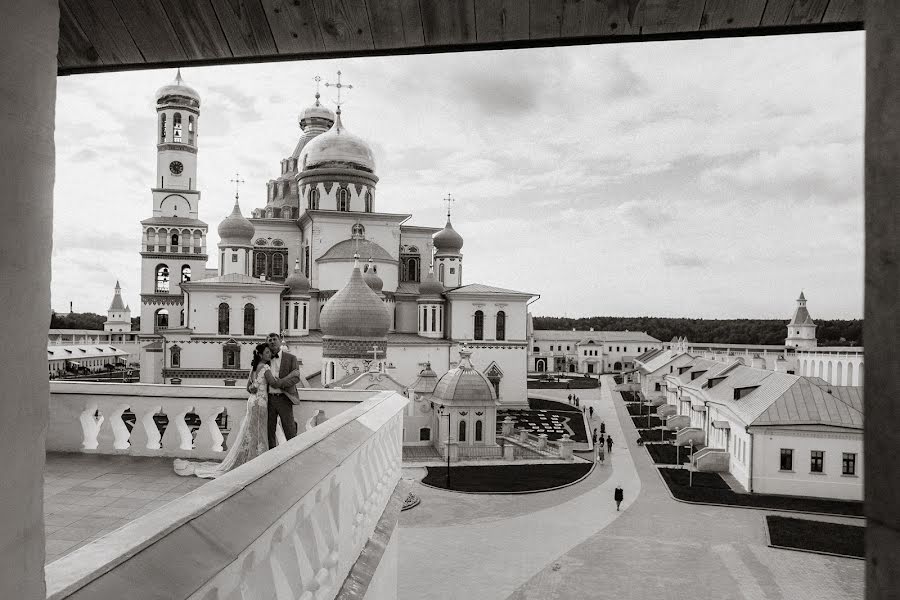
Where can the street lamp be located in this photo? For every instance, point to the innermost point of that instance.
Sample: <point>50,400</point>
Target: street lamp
<point>691,467</point>
<point>440,411</point>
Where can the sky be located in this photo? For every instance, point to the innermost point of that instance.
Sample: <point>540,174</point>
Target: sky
<point>707,178</point>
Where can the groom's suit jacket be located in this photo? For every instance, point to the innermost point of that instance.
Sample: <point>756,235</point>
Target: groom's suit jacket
<point>289,362</point>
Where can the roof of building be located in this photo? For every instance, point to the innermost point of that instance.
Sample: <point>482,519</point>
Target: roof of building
<point>117,303</point>
<point>480,288</point>
<point>370,380</point>
<point>585,336</point>
<point>236,228</point>
<point>659,359</point>
<point>347,249</point>
<point>372,278</point>
<point>232,278</point>
<point>174,221</point>
<point>83,351</point>
<point>408,287</point>
<point>297,282</point>
<point>355,311</point>
<point>647,355</point>
<point>464,384</point>
<point>337,147</point>
<point>698,364</point>
<point>812,401</point>
<point>177,88</point>
<point>426,381</point>
<point>430,286</point>
<point>447,239</point>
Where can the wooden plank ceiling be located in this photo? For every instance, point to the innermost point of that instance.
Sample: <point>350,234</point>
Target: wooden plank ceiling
<point>106,35</point>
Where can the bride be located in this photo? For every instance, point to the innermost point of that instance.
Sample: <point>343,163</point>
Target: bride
<point>251,438</point>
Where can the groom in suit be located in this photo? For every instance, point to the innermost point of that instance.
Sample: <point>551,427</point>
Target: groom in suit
<point>282,398</point>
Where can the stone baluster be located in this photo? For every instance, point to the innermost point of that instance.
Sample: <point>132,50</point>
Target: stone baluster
<point>90,426</point>
<point>145,435</point>
<point>208,436</point>
<point>542,441</point>
<point>178,435</point>
<point>507,426</point>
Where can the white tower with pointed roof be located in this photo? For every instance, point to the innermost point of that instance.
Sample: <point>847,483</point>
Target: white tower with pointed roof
<point>118,317</point>
<point>801,331</point>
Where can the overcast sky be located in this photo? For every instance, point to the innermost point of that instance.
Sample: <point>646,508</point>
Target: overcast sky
<point>711,178</point>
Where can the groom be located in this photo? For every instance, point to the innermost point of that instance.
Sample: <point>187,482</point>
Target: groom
<point>283,397</point>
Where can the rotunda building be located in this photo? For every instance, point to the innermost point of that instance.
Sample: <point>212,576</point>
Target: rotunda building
<point>354,324</point>
<point>467,395</point>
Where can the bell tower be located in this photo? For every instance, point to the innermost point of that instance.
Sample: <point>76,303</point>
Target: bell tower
<point>175,192</point>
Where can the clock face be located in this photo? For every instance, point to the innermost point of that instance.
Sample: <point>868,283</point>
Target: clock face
<point>176,167</point>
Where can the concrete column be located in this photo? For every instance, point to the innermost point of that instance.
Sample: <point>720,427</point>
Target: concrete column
<point>29,32</point>
<point>882,298</point>
<point>566,446</point>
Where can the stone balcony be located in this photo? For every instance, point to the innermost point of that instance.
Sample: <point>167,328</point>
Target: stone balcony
<point>311,518</point>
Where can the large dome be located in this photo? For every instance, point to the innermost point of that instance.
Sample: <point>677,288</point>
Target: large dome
<point>297,282</point>
<point>337,148</point>
<point>465,384</point>
<point>316,111</point>
<point>235,230</point>
<point>355,311</point>
<point>178,88</point>
<point>447,240</point>
<point>430,286</point>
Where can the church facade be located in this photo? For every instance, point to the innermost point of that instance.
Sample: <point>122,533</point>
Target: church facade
<point>318,237</point>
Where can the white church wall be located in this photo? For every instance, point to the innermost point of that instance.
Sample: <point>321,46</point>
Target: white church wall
<point>406,316</point>
<point>410,360</point>
<point>204,317</point>
<point>335,275</point>
<point>462,318</point>
<point>512,361</point>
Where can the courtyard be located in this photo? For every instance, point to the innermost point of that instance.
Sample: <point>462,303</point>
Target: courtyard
<point>571,542</point>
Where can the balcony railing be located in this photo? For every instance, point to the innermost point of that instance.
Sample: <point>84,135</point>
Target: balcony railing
<point>290,523</point>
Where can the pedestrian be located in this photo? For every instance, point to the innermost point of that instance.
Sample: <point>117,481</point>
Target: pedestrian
<point>570,398</point>
<point>619,495</point>
<point>576,401</point>
<point>602,427</point>
<point>602,441</point>
<point>594,438</point>
<point>591,411</point>
<point>600,454</point>
<point>609,444</point>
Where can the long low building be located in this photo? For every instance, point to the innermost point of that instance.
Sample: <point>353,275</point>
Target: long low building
<point>775,432</point>
<point>90,356</point>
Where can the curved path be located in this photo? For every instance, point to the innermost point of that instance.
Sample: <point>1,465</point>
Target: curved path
<point>571,543</point>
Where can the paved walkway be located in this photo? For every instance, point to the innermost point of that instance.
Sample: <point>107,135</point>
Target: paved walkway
<point>572,543</point>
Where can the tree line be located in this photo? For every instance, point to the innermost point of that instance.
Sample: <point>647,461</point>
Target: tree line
<point>84,321</point>
<point>829,332</point>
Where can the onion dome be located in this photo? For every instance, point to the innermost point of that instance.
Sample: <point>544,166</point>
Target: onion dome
<point>178,88</point>
<point>465,384</point>
<point>447,240</point>
<point>297,282</point>
<point>337,148</point>
<point>371,277</point>
<point>235,230</point>
<point>430,286</point>
<point>426,381</point>
<point>316,111</point>
<point>355,311</point>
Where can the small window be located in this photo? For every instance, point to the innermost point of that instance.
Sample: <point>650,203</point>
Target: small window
<point>817,461</point>
<point>343,199</point>
<point>313,199</point>
<point>357,231</point>
<point>501,325</point>
<point>368,201</point>
<point>233,257</point>
<point>425,434</point>
<point>185,273</point>
<point>462,431</point>
<point>176,128</point>
<point>849,463</point>
<point>162,279</point>
<point>479,431</point>
<point>479,325</point>
<point>249,319</point>
<point>224,317</point>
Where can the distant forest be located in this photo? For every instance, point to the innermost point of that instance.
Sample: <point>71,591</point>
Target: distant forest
<point>714,331</point>
<point>84,321</point>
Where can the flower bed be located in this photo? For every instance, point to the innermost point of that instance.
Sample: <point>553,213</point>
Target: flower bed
<point>575,383</point>
<point>642,423</point>
<point>506,478</point>
<point>818,536</point>
<point>667,454</point>
<point>653,435</point>
<point>709,487</point>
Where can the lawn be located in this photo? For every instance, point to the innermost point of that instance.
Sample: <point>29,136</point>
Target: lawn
<point>666,454</point>
<point>506,478</point>
<point>559,406</point>
<point>636,409</point>
<point>576,383</point>
<point>709,487</point>
<point>641,422</point>
<point>631,396</point>
<point>652,435</point>
<point>819,536</point>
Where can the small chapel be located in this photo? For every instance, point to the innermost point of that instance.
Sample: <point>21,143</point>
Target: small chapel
<point>361,297</point>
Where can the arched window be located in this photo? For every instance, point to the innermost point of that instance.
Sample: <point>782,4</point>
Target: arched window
<point>185,273</point>
<point>368,201</point>
<point>343,199</point>
<point>249,319</point>
<point>175,357</point>
<point>425,434</point>
<point>181,318</point>
<point>260,265</point>
<point>162,128</point>
<point>306,260</point>
<point>162,318</point>
<point>479,325</point>
<point>441,273</point>
<point>479,431</point>
<point>174,239</point>
<point>191,129</point>
<point>412,269</point>
<point>501,325</point>
<point>313,199</point>
<point>285,188</point>
<point>278,265</point>
<point>224,318</point>
<point>331,371</point>
<point>176,127</point>
<point>462,431</point>
<point>357,231</point>
<point>162,279</point>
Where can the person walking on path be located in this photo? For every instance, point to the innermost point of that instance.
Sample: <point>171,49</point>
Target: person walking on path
<point>609,444</point>
<point>594,438</point>
<point>570,398</point>
<point>602,427</point>
<point>591,411</point>
<point>619,495</point>
<point>600,453</point>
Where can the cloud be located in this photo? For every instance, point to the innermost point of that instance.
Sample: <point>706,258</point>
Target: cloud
<point>646,215</point>
<point>677,259</point>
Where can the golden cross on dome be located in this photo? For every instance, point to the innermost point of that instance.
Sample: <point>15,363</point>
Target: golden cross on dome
<point>339,87</point>
<point>317,79</point>
<point>237,181</point>
<point>449,199</point>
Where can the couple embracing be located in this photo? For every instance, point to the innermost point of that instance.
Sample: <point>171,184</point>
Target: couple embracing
<point>272,387</point>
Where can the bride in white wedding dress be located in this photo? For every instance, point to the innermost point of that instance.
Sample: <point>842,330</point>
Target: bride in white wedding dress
<point>251,440</point>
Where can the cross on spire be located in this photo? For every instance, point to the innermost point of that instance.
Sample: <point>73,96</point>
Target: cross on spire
<point>374,352</point>
<point>237,181</point>
<point>449,199</point>
<point>317,79</point>
<point>339,85</point>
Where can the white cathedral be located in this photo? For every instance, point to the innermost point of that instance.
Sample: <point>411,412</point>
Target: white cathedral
<point>199,325</point>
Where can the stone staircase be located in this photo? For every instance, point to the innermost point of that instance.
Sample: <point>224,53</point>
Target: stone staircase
<point>686,434</point>
<point>712,459</point>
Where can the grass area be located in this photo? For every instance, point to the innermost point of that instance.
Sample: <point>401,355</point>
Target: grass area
<point>709,487</point>
<point>577,383</point>
<point>636,409</point>
<point>819,536</point>
<point>667,454</point>
<point>541,404</point>
<point>506,478</point>
<point>652,435</point>
<point>631,396</point>
<point>641,422</point>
